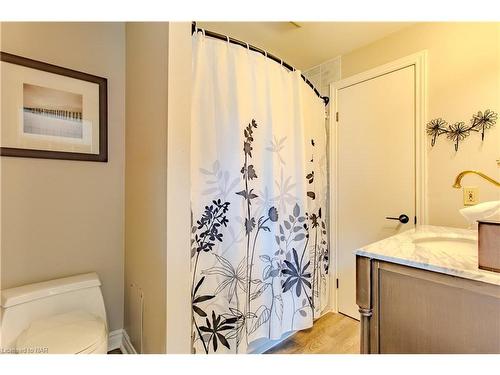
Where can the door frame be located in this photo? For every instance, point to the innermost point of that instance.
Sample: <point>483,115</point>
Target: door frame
<point>419,61</point>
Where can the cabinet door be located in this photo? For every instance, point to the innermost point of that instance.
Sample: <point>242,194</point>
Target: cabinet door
<point>425,312</point>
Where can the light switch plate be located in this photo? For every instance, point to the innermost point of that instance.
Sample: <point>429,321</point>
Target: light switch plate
<point>471,196</point>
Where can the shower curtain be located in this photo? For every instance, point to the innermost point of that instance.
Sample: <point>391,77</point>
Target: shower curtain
<point>259,252</point>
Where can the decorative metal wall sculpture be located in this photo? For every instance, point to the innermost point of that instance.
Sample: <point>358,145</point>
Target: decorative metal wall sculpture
<point>459,131</point>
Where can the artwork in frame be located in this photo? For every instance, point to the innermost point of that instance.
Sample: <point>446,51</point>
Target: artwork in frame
<point>51,112</point>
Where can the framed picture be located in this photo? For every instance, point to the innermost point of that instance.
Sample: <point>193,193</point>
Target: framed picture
<point>51,112</point>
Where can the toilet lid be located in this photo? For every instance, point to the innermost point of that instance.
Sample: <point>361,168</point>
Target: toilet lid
<point>68,333</point>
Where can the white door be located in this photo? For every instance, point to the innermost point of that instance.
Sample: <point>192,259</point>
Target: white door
<point>376,169</point>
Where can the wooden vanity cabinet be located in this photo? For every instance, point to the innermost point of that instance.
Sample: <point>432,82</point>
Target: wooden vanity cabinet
<point>410,310</point>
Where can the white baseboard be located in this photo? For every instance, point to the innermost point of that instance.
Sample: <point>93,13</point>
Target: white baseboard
<point>119,339</point>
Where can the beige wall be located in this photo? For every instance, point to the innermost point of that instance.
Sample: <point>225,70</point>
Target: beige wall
<point>64,217</point>
<point>463,77</point>
<point>146,184</point>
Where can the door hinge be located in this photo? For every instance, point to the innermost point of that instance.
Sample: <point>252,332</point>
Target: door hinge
<point>337,116</point>
<point>337,281</point>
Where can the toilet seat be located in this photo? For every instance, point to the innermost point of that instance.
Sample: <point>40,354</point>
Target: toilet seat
<point>69,333</point>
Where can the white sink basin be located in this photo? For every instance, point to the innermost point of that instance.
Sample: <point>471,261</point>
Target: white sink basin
<point>447,244</point>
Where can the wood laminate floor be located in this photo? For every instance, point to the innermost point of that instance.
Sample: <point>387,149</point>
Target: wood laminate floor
<point>330,334</point>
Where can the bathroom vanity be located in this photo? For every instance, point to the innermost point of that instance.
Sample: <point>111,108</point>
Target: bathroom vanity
<point>421,291</point>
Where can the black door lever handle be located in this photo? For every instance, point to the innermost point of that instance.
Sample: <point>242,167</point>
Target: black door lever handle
<point>402,218</point>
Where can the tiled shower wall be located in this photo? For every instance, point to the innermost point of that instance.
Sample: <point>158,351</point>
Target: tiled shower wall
<point>322,75</point>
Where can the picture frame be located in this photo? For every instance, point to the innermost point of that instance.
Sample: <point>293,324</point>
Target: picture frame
<point>51,112</point>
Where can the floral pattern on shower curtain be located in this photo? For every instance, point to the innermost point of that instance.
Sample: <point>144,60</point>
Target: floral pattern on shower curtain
<point>260,253</point>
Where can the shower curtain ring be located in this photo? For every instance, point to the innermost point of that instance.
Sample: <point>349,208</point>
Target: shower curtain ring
<point>227,39</point>
<point>248,46</point>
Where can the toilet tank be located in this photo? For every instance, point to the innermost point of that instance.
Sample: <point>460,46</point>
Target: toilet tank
<point>22,305</point>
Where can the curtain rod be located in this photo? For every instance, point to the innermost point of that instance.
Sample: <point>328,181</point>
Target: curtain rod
<point>229,39</point>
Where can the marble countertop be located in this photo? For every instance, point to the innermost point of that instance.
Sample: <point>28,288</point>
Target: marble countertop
<point>402,249</point>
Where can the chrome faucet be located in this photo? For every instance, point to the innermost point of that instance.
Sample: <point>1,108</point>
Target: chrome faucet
<point>458,179</point>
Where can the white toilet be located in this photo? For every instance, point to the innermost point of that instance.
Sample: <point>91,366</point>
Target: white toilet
<point>62,316</point>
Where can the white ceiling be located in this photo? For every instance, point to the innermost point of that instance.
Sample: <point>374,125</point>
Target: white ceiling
<point>310,44</point>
